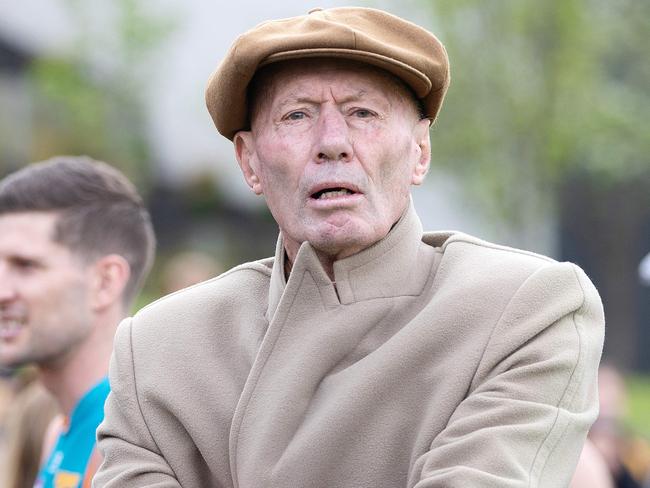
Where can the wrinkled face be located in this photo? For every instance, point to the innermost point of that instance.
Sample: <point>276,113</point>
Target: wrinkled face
<point>44,300</point>
<point>334,148</point>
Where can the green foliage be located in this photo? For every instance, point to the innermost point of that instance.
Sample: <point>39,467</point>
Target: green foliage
<point>91,100</point>
<point>638,417</point>
<point>539,90</point>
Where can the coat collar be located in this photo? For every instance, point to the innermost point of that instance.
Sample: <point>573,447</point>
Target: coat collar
<point>398,265</point>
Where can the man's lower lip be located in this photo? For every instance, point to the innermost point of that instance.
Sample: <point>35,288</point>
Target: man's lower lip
<point>6,335</point>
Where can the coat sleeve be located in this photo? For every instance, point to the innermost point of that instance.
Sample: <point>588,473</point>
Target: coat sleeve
<point>533,396</point>
<point>131,457</point>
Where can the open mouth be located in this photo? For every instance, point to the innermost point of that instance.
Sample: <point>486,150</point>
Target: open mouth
<point>331,193</point>
<point>10,328</point>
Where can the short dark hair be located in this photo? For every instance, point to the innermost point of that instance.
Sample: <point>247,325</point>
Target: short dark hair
<point>100,211</point>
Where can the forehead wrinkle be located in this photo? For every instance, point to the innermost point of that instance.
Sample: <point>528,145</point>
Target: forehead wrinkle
<point>295,97</point>
<point>353,97</point>
<point>298,95</point>
<point>390,90</point>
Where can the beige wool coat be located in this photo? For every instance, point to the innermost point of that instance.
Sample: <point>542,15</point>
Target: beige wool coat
<point>437,360</point>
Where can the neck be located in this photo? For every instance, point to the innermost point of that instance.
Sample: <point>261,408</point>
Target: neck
<point>328,257</point>
<point>70,377</point>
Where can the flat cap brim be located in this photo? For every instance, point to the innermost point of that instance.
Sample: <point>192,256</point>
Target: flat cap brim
<point>366,35</point>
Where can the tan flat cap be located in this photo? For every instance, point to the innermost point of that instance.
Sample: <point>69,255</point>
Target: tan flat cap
<point>367,35</point>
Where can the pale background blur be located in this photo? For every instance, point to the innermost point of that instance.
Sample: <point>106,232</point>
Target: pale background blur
<point>543,142</point>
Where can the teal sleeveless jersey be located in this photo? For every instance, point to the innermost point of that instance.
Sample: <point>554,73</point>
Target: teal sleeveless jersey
<point>67,464</point>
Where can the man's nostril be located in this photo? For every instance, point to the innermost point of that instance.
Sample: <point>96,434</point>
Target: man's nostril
<point>341,157</point>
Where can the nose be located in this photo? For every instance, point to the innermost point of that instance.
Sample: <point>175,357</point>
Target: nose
<point>333,136</point>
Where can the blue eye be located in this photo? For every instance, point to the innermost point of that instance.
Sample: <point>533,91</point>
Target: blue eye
<point>296,115</point>
<point>363,113</point>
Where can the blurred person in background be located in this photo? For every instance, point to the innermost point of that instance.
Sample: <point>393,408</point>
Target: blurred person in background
<point>31,413</point>
<point>7,392</point>
<point>76,243</point>
<point>366,352</point>
<point>26,414</point>
<point>592,471</point>
<point>188,268</point>
<point>618,447</point>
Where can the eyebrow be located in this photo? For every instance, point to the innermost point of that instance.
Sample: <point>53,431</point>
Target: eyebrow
<point>23,254</point>
<point>306,99</point>
<point>17,258</point>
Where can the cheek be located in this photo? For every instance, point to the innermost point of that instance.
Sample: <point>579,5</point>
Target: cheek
<point>42,293</point>
<point>75,304</point>
<point>396,167</point>
<point>280,168</point>
<point>56,292</point>
<point>278,187</point>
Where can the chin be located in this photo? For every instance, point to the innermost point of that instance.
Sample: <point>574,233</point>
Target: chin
<point>341,244</point>
<point>11,362</point>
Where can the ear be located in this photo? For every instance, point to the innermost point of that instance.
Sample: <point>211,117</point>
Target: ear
<point>245,153</point>
<point>421,135</point>
<point>110,276</point>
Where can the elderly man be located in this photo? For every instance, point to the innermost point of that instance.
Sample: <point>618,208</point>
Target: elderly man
<point>365,353</point>
<point>75,245</point>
